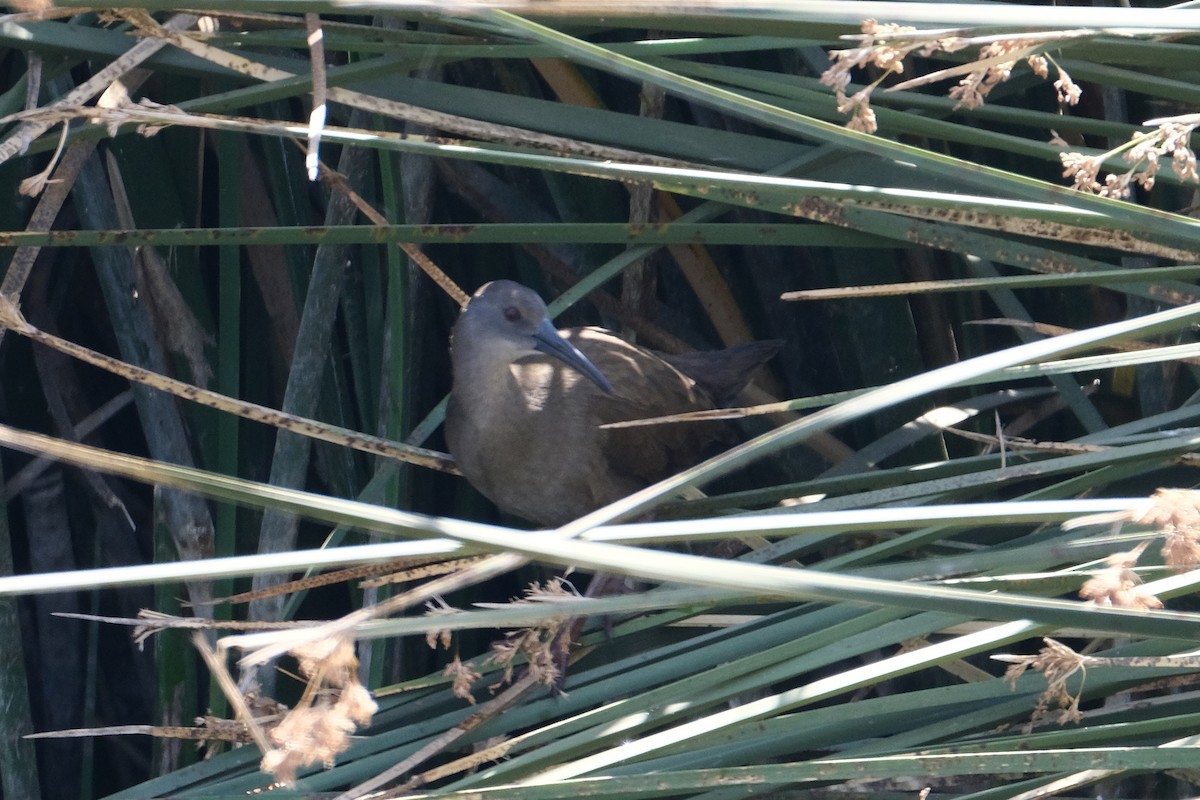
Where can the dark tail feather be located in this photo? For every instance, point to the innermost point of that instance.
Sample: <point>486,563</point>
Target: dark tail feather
<point>724,373</point>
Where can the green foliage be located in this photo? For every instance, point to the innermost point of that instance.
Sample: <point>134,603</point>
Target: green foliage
<point>821,620</point>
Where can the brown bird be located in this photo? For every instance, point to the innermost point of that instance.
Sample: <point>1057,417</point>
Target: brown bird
<point>524,417</point>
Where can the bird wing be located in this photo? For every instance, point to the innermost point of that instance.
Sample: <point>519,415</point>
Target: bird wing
<point>645,386</point>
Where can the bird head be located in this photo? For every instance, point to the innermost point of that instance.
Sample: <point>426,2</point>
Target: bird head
<point>505,317</point>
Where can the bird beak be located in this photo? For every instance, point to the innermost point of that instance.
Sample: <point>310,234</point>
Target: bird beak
<point>549,342</point>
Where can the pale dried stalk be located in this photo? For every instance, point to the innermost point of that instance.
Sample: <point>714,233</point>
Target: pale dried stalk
<point>403,111</point>
<point>12,319</point>
<point>19,141</point>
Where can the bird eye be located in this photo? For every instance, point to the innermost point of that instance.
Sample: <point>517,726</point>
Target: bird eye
<point>512,314</point>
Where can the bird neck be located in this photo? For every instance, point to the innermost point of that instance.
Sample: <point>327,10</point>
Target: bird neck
<point>483,370</point>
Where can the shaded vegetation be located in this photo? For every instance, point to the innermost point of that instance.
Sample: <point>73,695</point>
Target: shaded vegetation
<point>1023,358</point>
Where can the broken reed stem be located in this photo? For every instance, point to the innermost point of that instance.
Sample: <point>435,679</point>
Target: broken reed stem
<point>216,667</point>
<point>487,711</point>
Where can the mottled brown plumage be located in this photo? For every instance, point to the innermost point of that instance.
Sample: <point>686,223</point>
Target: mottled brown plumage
<point>524,414</point>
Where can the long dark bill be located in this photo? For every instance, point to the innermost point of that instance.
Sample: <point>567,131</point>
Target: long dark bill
<point>549,342</point>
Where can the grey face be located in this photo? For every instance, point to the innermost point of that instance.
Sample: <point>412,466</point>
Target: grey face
<point>516,313</point>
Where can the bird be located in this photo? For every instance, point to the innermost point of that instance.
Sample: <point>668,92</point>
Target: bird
<point>527,402</point>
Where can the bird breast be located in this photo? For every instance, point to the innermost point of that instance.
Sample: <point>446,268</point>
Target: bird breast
<point>542,381</point>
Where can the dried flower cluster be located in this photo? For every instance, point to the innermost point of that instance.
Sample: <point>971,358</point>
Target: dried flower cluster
<point>1144,153</point>
<point>876,48</point>
<point>543,647</point>
<point>1057,662</point>
<point>1118,585</point>
<point>1175,512</point>
<point>996,62</point>
<point>333,706</point>
<point>464,675</point>
<point>885,47</point>
<point>435,637</point>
